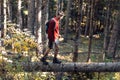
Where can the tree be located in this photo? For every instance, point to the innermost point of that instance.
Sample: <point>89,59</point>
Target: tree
<point>19,18</point>
<point>45,18</point>
<point>88,18</point>
<point>39,26</point>
<point>77,35</point>
<point>90,30</point>
<point>106,29</point>
<point>1,18</point>
<point>5,18</point>
<point>73,67</point>
<point>114,37</point>
<point>67,19</point>
<point>114,29</point>
<point>31,15</point>
<point>45,15</point>
<point>10,13</point>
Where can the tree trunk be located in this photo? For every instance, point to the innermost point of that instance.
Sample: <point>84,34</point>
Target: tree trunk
<point>31,15</point>
<point>76,41</point>
<point>88,19</point>
<point>45,15</point>
<point>90,31</point>
<point>5,18</point>
<point>67,20</point>
<point>1,18</point>
<point>19,18</point>
<point>114,37</point>
<point>39,27</point>
<point>58,6</point>
<point>10,10</point>
<point>106,29</point>
<point>71,67</point>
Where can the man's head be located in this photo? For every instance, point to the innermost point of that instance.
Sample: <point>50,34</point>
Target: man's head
<point>60,14</point>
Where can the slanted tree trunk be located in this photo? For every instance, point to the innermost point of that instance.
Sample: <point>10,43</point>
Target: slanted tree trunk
<point>72,67</point>
<point>31,15</point>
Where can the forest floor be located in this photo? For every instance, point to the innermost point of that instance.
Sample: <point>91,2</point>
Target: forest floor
<point>66,50</point>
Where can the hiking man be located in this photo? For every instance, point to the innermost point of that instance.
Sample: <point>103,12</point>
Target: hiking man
<point>53,37</point>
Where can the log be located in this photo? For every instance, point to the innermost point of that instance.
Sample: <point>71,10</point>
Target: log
<point>72,67</point>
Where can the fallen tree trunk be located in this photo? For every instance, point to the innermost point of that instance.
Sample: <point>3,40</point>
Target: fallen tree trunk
<point>72,67</point>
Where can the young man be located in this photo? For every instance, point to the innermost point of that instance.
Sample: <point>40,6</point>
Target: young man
<point>53,36</point>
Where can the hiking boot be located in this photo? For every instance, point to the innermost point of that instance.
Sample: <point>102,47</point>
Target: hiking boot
<point>55,60</point>
<point>43,59</point>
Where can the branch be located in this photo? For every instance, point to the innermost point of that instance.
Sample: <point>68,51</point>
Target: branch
<point>72,67</point>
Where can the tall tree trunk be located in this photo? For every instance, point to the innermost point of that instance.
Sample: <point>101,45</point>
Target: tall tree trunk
<point>76,41</point>
<point>45,16</point>
<point>1,18</point>
<point>67,20</point>
<point>10,10</point>
<point>31,15</point>
<point>58,6</point>
<point>114,37</point>
<point>106,29</point>
<point>39,27</point>
<point>45,12</point>
<point>5,18</point>
<point>19,18</point>
<point>88,20</point>
<point>90,31</point>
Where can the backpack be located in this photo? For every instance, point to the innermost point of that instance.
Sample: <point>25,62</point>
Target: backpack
<point>47,25</point>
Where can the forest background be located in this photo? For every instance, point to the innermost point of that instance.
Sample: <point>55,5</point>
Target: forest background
<point>90,33</point>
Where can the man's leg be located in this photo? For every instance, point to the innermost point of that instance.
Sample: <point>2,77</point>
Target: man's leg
<point>55,59</point>
<point>43,59</point>
<point>56,51</point>
<point>46,53</point>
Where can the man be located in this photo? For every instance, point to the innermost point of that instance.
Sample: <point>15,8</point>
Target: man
<point>53,37</point>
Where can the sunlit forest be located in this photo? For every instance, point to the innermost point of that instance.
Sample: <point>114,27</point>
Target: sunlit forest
<point>89,46</point>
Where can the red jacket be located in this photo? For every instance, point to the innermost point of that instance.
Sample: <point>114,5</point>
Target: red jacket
<point>53,30</point>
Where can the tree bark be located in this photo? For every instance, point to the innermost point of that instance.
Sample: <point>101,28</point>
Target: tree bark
<point>77,35</point>
<point>1,18</point>
<point>90,31</point>
<point>39,27</point>
<point>67,20</point>
<point>106,29</point>
<point>10,12</point>
<point>114,37</point>
<point>31,15</point>
<point>19,18</point>
<point>72,67</point>
<point>5,18</point>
